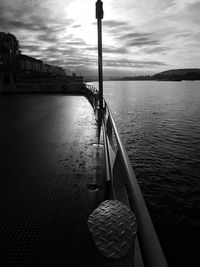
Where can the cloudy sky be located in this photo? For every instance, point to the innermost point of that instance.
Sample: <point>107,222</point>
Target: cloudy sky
<point>139,36</point>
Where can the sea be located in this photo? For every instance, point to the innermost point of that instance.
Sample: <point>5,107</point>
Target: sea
<point>159,122</point>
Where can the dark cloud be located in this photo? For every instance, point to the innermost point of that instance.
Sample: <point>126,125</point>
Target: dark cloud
<point>31,47</point>
<point>39,32</point>
<point>114,50</point>
<point>142,42</point>
<point>54,62</point>
<point>182,34</point>
<point>12,24</point>
<point>114,23</point>
<point>108,49</point>
<point>51,49</point>
<point>76,42</point>
<point>138,39</point>
<point>81,64</point>
<point>136,35</point>
<point>131,63</point>
<point>76,26</point>
<point>115,27</point>
<point>90,48</point>
<point>122,32</point>
<point>34,24</point>
<point>29,16</point>
<point>49,38</point>
<point>155,50</point>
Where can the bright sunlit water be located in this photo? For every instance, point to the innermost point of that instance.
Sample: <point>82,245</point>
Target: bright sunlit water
<point>159,123</point>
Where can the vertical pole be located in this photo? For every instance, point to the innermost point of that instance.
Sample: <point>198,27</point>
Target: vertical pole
<point>99,16</point>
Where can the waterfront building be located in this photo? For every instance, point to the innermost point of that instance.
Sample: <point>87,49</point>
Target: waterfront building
<point>9,49</point>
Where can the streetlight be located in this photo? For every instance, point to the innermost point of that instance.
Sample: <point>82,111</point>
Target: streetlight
<point>99,17</point>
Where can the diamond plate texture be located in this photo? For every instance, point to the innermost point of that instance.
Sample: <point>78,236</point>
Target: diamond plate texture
<point>48,159</point>
<point>113,228</point>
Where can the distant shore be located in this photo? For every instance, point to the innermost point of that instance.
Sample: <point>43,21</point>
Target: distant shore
<point>169,75</point>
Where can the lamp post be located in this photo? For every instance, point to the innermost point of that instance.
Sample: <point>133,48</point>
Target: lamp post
<point>99,17</point>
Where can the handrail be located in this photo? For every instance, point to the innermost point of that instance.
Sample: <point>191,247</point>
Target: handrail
<point>152,251</point>
<point>125,187</point>
<point>91,88</point>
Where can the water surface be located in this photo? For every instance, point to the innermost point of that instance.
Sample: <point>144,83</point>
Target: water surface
<point>159,123</point>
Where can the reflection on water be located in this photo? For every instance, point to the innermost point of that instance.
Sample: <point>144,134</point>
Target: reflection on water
<point>159,123</point>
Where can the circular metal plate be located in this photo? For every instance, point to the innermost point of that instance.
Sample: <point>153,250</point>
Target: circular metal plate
<point>113,228</point>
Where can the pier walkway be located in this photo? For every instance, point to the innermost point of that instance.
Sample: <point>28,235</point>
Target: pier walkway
<point>50,166</point>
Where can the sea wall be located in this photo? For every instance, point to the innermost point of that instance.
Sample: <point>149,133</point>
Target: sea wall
<point>50,87</point>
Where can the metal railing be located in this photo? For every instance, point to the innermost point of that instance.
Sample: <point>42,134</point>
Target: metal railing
<point>124,185</point>
<point>91,88</point>
<point>92,94</point>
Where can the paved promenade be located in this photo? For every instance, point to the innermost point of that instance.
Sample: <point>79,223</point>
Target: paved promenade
<point>50,161</point>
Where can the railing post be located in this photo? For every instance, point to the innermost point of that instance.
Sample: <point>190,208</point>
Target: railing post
<point>99,16</point>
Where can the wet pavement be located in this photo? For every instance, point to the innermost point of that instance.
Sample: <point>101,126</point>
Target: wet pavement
<point>52,177</point>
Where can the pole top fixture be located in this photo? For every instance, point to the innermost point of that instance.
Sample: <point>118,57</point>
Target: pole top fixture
<point>99,9</point>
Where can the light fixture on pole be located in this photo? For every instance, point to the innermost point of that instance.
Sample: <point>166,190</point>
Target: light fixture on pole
<point>99,17</point>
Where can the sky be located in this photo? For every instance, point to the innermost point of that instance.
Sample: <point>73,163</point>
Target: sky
<point>140,37</point>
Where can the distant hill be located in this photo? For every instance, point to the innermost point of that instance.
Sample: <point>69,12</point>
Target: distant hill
<point>168,75</point>
<point>178,74</point>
